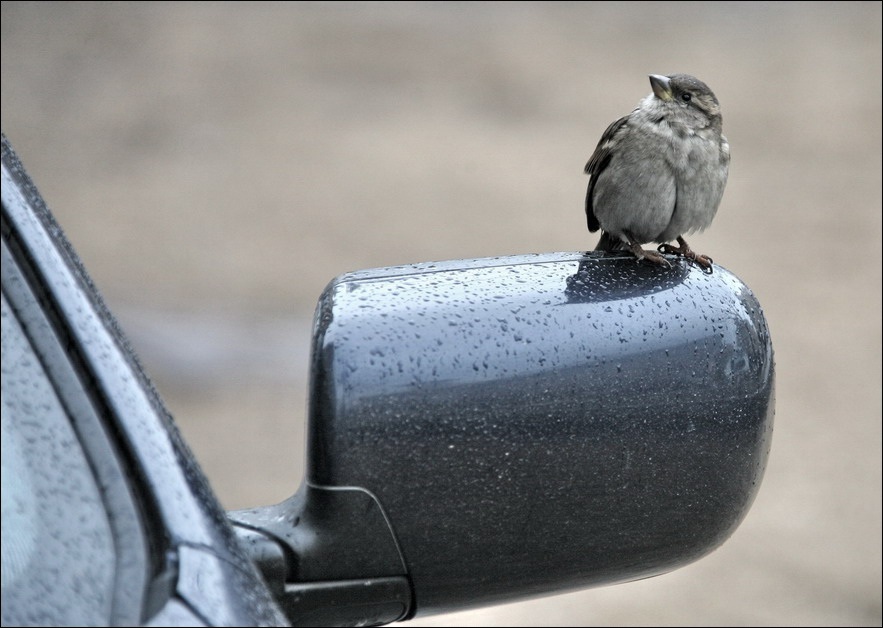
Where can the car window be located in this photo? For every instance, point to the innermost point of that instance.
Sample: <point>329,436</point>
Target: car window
<point>46,478</point>
<point>74,550</point>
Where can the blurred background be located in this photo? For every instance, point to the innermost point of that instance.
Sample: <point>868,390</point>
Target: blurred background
<point>215,165</point>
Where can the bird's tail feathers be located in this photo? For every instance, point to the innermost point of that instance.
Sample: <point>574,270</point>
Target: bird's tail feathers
<point>610,243</point>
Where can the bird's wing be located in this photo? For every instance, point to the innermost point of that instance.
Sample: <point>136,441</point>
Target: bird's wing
<point>596,165</point>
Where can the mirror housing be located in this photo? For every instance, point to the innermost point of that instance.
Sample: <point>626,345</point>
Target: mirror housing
<point>486,430</point>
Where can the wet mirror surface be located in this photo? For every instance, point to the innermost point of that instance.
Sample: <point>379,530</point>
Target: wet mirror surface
<point>551,406</point>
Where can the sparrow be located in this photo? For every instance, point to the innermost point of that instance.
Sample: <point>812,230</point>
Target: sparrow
<point>659,172</point>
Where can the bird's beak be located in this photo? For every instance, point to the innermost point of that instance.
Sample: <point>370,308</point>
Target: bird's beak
<point>661,87</point>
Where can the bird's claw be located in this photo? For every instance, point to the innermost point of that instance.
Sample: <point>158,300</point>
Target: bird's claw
<point>651,256</point>
<point>656,258</point>
<point>704,261</point>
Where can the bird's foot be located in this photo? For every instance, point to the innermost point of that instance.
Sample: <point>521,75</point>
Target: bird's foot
<point>650,256</point>
<point>687,253</point>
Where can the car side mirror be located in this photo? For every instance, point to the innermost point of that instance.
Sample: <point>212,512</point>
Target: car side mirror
<point>486,430</point>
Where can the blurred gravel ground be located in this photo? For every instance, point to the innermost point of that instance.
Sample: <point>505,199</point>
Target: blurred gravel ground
<point>216,165</point>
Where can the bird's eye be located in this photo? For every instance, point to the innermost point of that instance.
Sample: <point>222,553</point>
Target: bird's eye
<point>686,97</point>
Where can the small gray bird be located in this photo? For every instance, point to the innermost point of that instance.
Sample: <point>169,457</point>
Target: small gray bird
<point>659,172</point>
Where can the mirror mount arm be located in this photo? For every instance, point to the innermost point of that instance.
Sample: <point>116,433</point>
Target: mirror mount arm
<point>329,557</point>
